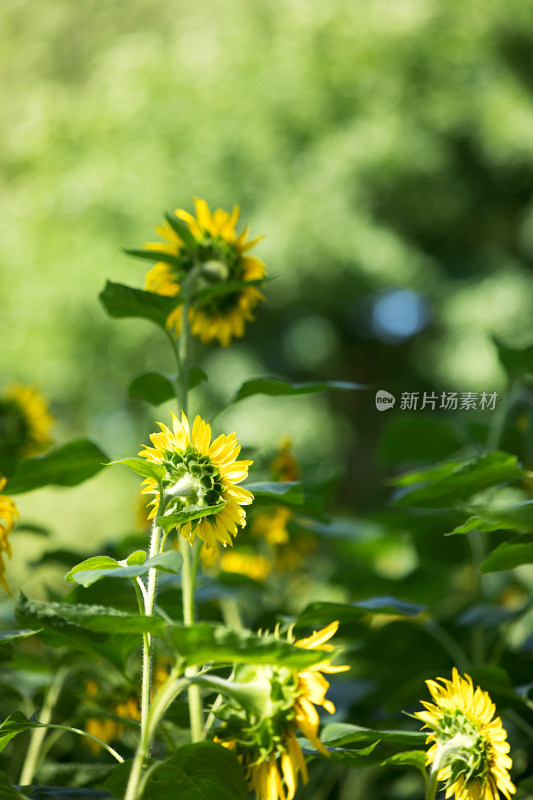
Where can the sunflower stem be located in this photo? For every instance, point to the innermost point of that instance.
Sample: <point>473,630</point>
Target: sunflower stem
<point>31,762</point>
<point>431,786</point>
<point>187,588</point>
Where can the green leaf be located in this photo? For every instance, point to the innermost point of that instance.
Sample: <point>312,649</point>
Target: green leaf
<point>14,724</point>
<point>67,465</point>
<point>94,569</point>
<point>59,629</point>
<point>122,301</point>
<point>411,758</point>
<point>342,733</point>
<point>361,757</point>
<point>8,792</point>
<point>277,387</point>
<point>182,230</point>
<point>93,618</point>
<point>207,642</point>
<point>412,437</point>
<point>458,481</point>
<point>509,555</point>
<point>485,615</point>
<point>492,518</point>
<point>322,613</point>
<point>280,491</point>
<point>170,521</point>
<point>202,771</point>
<point>156,389</point>
<point>68,793</point>
<point>148,469</point>
<point>8,636</point>
<point>153,255</point>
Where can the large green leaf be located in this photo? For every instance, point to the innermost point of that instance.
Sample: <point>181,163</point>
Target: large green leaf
<point>122,301</point>
<point>458,481</point>
<point>411,758</point>
<point>207,642</point>
<point>278,491</point>
<point>67,465</point>
<point>518,516</point>
<point>157,389</point>
<point>97,619</point>
<point>202,771</point>
<point>322,613</point>
<point>170,521</point>
<point>277,387</point>
<point>68,793</point>
<point>510,554</point>
<point>94,569</point>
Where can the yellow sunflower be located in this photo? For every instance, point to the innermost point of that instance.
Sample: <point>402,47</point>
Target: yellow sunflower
<point>470,748</point>
<point>210,255</point>
<point>273,759</point>
<point>25,423</point>
<point>200,474</point>
<point>8,516</point>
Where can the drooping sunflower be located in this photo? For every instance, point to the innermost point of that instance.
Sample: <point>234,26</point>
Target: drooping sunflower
<point>207,254</point>
<point>25,423</point>
<point>266,745</point>
<point>469,747</point>
<point>199,473</point>
<point>8,516</point>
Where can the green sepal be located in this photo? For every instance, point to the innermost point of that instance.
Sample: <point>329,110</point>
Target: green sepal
<point>148,469</point>
<point>94,569</point>
<point>188,514</point>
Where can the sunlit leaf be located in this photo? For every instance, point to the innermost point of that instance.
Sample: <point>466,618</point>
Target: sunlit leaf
<point>94,569</point>
<point>141,466</point>
<point>170,521</point>
<point>321,613</point>
<point>509,555</point>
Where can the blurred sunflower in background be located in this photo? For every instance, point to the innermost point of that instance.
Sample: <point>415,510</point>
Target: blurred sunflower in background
<point>8,516</point>
<point>25,425</point>
<point>204,256</point>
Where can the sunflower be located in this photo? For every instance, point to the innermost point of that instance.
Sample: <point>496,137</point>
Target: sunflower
<point>8,517</point>
<point>470,748</point>
<point>272,757</point>
<point>199,474</point>
<point>207,254</point>
<point>25,423</point>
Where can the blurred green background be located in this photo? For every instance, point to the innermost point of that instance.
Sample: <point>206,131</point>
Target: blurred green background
<point>385,151</point>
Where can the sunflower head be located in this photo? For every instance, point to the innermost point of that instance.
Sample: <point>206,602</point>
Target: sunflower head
<point>25,424</point>
<point>469,748</point>
<point>274,703</point>
<point>198,255</point>
<point>8,516</point>
<point>199,475</point>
